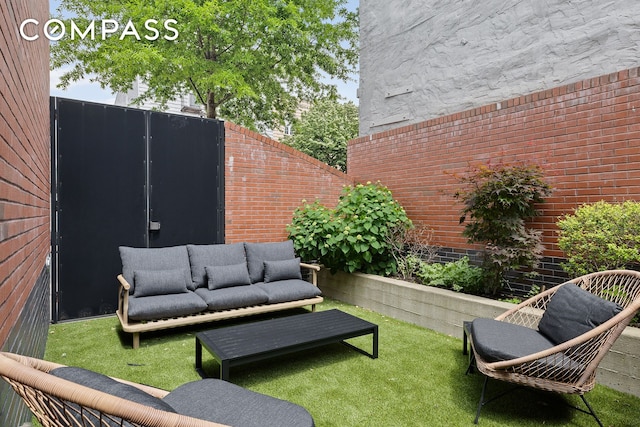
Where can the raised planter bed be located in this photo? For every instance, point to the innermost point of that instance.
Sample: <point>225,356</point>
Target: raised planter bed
<point>444,311</point>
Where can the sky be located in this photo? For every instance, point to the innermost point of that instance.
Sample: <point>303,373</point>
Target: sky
<point>89,91</point>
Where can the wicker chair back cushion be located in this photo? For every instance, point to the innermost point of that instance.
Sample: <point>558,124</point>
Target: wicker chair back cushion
<point>105,384</point>
<point>572,311</point>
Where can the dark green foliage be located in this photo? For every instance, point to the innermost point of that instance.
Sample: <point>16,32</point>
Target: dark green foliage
<point>601,236</point>
<point>497,203</point>
<point>353,236</point>
<point>459,276</point>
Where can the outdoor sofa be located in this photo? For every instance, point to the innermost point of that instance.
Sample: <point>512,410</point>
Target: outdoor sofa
<point>60,395</point>
<point>176,286</point>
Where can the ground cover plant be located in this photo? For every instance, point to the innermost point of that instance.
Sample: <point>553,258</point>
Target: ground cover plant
<point>418,379</point>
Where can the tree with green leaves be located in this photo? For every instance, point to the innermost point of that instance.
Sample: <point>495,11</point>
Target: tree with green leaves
<point>498,202</point>
<point>323,131</point>
<point>250,61</point>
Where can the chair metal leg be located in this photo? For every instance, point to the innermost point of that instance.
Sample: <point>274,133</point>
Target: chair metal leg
<point>593,414</point>
<point>481,402</point>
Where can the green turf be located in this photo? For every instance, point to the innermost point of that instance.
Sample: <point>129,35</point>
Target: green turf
<point>418,379</point>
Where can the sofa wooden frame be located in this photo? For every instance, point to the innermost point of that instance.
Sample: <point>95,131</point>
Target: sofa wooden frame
<point>137,327</point>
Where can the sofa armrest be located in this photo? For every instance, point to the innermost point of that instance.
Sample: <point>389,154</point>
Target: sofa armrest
<point>314,268</point>
<point>123,298</point>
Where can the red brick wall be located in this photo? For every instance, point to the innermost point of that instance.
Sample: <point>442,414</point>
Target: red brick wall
<point>24,158</point>
<point>266,181</point>
<point>585,135</point>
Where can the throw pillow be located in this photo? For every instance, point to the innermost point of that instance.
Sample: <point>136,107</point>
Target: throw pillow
<point>258,253</point>
<point>572,311</point>
<point>225,276</point>
<point>159,282</point>
<point>282,270</point>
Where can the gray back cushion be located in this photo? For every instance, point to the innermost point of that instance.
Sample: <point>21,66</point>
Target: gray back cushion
<point>258,253</point>
<point>150,259</point>
<point>201,256</point>
<point>572,311</point>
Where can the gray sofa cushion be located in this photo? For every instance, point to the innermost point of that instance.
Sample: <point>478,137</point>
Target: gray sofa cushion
<point>201,256</point>
<point>494,340</point>
<point>222,402</point>
<point>281,270</point>
<point>108,385</point>
<point>159,282</point>
<point>175,257</point>
<point>233,297</point>
<point>161,306</point>
<point>288,290</point>
<point>225,276</point>
<point>572,311</point>
<point>258,253</point>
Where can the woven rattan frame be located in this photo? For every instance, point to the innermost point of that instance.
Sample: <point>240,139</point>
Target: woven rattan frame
<point>555,369</point>
<point>56,402</point>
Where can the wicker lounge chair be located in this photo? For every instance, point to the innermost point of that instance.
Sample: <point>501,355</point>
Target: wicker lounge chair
<point>538,343</point>
<point>59,402</point>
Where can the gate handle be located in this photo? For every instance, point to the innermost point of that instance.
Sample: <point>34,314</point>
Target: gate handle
<point>154,225</point>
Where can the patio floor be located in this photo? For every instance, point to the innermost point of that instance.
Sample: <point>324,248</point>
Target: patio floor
<point>418,379</point>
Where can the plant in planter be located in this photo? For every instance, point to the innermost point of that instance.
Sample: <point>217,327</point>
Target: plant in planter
<point>497,203</point>
<point>600,236</point>
<point>354,235</point>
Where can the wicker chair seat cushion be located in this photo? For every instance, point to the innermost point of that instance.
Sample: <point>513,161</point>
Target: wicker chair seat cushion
<point>232,297</point>
<point>226,403</point>
<point>288,290</point>
<point>163,306</point>
<point>572,311</point>
<point>495,341</point>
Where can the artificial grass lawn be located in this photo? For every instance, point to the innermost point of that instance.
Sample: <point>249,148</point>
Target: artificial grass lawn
<point>418,379</point>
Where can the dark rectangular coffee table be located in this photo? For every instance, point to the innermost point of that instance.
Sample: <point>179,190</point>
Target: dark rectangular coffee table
<point>250,342</point>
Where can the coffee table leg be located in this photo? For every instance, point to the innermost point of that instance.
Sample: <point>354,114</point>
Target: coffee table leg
<point>224,370</point>
<point>199,358</point>
<point>375,342</point>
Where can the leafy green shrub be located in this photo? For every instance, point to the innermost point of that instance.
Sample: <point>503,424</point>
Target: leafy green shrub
<point>600,236</point>
<point>459,275</point>
<point>354,235</point>
<point>497,202</point>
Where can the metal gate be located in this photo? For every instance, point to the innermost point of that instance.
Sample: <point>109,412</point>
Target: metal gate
<point>126,177</point>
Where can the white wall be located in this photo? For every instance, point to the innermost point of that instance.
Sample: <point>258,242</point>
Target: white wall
<point>421,59</point>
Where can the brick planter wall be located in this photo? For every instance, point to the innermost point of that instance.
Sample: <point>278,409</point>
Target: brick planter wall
<point>265,181</point>
<point>24,193</point>
<point>585,135</point>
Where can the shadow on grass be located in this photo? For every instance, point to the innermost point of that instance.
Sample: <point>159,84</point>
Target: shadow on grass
<point>517,404</point>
